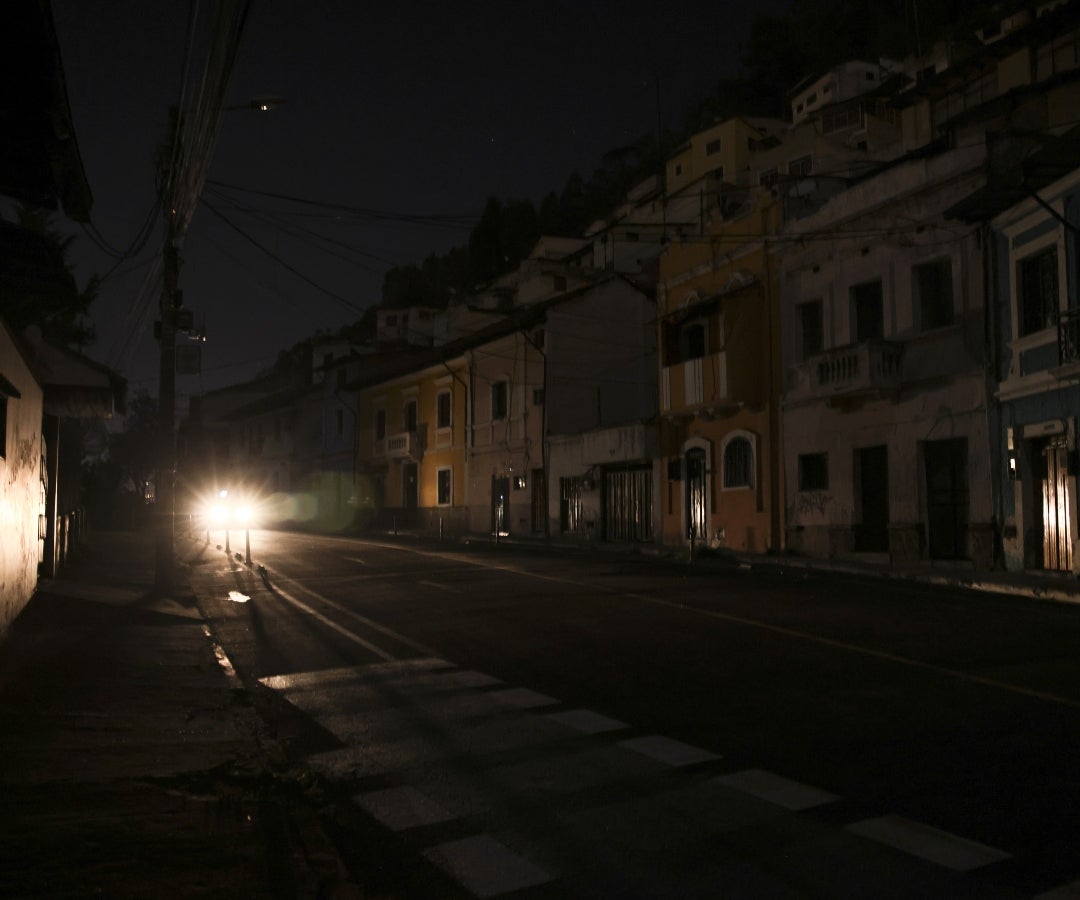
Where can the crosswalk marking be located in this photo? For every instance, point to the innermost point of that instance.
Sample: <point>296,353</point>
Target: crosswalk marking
<point>586,721</point>
<point>523,698</point>
<point>468,749</point>
<point>781,791</point>
<point>926,842</point>
<point>667,750</point>
<point>485,866</point>
<point>402,808</point>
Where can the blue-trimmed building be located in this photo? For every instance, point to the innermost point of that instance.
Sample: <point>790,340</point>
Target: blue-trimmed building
<point>1033,237</point>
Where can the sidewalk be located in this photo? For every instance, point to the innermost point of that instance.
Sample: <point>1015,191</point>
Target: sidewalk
<point>133,766</point>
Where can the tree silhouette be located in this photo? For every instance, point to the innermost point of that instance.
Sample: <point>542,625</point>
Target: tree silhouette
<point>37,286</point>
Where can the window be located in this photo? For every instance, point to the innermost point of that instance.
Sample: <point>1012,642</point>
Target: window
<point>803,165</point>
<point>499,396</point>
<point>812,99</point>
<point>933,282</point>
<point>380,424</point>
<point>738,463</point>
<point>442,410</point>
<point>1037,291</point>
<point>410,415</point>
<point>560,282</point>
<point>811,329</point>
<point>444,486</point>
<point>684,342</point>
<point>813,471</point>
<point>538,396</point>
<point>768,176</point>
<point>391,319</point>
<point>840,119</point>
<point>868,307</point>
<point>713,147</point>
<point>340,422</point>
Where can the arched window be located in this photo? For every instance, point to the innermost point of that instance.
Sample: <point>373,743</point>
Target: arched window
<point>738,463</point>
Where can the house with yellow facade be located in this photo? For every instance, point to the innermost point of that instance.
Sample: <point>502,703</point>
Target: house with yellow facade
<point>719,384</point>
<point>412,440</point>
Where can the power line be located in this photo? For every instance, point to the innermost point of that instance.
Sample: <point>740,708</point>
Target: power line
<point>457,220</point>
<point>329,293</point>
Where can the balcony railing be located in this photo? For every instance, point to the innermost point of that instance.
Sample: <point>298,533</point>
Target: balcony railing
<point>1068,336</point>
<point>865,368</point>
<point>405,444</point>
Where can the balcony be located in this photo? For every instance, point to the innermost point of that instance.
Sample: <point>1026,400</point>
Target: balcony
<point>858,370</point>
<point>404,445</point>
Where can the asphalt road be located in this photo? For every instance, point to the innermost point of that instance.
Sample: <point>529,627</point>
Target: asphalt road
<point>917,714</point>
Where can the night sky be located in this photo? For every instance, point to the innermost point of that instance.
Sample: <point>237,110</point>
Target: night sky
<point>413,110</point>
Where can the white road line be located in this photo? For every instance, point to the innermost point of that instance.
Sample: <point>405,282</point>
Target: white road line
<point>331,624</point>
<point>441,587</point>
<point>883,655</point>
<point>364,620</point>
<point>355,559</point>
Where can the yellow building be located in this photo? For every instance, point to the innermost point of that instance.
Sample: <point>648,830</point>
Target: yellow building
<point>720,383</point>
<point>411,442</point>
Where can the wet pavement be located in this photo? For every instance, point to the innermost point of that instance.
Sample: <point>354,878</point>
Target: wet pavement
<point>134,765</point>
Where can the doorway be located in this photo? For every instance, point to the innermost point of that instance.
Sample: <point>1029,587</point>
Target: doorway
<point>1052,459</point>
<point>946,497</point>
<point>872,535</point>
<point>538,507</point>
<point>500,505</point>
<point>410,492</point>
<point>696,500</point>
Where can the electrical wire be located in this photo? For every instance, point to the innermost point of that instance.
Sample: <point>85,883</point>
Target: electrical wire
<point>329,293</point>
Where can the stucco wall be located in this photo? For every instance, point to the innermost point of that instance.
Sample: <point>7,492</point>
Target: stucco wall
<point>21,498</point>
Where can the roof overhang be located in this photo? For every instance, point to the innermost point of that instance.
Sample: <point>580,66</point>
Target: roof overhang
<point>39,157</point>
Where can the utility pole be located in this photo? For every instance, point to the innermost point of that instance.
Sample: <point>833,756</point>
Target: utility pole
<point>165,477</point>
